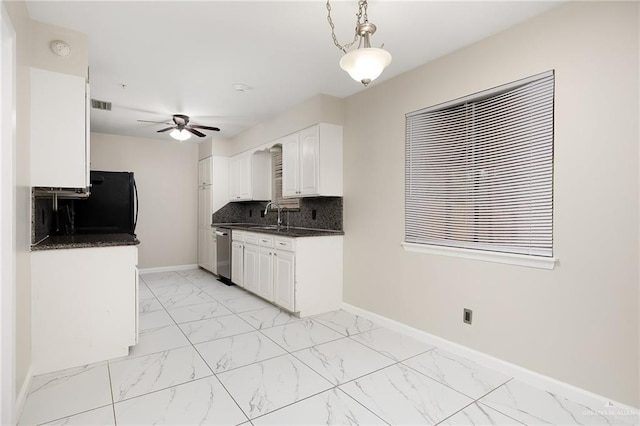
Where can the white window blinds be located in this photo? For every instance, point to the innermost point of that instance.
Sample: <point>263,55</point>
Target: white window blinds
<point>479,170</point>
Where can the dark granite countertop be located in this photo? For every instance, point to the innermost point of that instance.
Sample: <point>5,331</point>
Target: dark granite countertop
<point>283,231</point>
<point>56,242</point>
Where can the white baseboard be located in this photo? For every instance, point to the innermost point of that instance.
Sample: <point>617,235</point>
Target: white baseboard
<point>167,269</point>
<point>571,392</point>
<point>24,391</point>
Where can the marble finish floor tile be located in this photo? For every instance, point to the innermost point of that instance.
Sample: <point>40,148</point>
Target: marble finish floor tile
<point>268,385</point>
<point>158,340</point>
<point>138,376</point>
<point>301,334</point>
<point>194,298</point>
<point>342,360</point>
<point>149,305</point>
<point>395,345</point>
<point>479,414</point>
<point>346,322</point>
<point>144,292</point>
<point>214,328</point>
<point>65,393</point>
<point>98,417</point>
<point>195,273</point>
<point>268,317</point>
<point>245,303</point>
<point>222,293</point>
<point>201,402</point>
<point>154,319</point>
<point>237,351</point>
<point>332,407</point>
<point>532,405</point>
<point>401,396</point>
<point>457,372</point>
<point>175,289</point>
<point>198,312</point>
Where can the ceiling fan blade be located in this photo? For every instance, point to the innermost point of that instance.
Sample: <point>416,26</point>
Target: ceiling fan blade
<point>157,122</point>
<point>195,132</point>
<point>167,129</point>
<point>198,126</point>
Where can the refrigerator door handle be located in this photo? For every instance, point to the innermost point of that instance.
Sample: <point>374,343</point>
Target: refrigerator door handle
<point>135,220</point>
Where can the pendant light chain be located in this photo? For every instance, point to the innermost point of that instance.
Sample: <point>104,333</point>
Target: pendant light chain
<point>362,13</point>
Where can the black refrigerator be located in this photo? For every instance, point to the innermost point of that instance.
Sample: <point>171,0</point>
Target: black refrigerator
<point>112,206</point>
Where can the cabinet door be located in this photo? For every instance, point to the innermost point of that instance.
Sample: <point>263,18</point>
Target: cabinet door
<point>204,171</point>
<point>59,145</point>
<point>290,166</point>
<point>265,273</point>
<point>203,248</point>
<point>204,207</point>
<point>284,279</point>
<point>309,161</point>
<point>237,263</point>
<point>245,177</point>
<point>251,268</point>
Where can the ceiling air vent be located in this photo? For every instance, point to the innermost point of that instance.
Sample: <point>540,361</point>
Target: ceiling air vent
<point>96,104</point>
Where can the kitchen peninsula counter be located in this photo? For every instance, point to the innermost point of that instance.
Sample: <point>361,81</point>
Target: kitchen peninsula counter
<point>56,242</point>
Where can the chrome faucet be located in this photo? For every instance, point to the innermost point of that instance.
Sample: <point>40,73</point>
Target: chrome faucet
<point>273,203</point>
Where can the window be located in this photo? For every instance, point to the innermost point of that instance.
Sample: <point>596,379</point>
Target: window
<point>276,166</point>
<point>479,171</point>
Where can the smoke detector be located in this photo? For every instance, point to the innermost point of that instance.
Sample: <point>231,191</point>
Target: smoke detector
<point>60,48</point>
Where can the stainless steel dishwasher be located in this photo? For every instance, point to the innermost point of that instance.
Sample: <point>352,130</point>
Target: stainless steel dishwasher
<point>223,260</point>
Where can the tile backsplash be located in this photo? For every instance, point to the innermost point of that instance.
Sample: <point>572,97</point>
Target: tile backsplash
<point>314,212</point>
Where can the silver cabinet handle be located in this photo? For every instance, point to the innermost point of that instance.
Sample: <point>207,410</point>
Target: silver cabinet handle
<point>222,234</point>
<point>281,243</point>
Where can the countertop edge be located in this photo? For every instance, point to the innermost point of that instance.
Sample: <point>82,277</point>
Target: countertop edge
<point>91,241</point>
<point>291,232</point>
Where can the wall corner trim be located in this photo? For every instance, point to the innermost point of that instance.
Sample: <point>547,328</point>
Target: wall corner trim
<point>566,390</point>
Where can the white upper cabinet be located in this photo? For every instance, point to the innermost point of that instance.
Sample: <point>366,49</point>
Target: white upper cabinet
<point>59,130</point>
<point>205,171</point>
<point>250,176</point>
<point>312,162</point>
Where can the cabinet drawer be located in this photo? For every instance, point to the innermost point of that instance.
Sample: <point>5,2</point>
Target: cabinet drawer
<point>251,238</point>
<point>266,240</point>
<point>286,244</point>
<point>238,236</point>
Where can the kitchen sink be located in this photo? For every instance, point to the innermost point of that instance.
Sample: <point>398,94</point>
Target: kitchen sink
<point>268,227</point>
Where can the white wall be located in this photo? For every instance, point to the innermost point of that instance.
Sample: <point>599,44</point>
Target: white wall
<point>319,109</point>
<point>578,323</point>
<point>166,174</point>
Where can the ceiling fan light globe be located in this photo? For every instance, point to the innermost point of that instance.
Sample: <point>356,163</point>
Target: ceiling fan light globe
<point>181,135</point>
<point>365,65</point>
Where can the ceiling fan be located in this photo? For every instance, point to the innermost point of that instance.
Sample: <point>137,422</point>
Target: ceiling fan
<point>181,129</point>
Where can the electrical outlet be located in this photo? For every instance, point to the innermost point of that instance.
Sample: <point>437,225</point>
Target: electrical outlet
<point>313,214</point>
<point>467,316</point>
<point>250,213</point>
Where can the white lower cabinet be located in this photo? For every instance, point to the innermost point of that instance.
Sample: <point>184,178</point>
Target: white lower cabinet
<point>84,306</point>
<point>251,267</point>
<point>301,275</point>
<point>213,251</point>
<point>237,258</point>
<point>265,273</point>
<point>284,279</point>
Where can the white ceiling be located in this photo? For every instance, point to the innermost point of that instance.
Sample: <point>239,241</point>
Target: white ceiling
<point>184,57</point>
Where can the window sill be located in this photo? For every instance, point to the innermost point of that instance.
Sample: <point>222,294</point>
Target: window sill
<point>486,256</point>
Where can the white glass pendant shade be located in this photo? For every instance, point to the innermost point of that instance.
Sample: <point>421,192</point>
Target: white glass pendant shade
<point>365,65</point>
<point>181,135</point>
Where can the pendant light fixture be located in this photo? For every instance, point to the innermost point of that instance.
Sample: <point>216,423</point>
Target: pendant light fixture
<point>181,135</point>
<point>365,63</point>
